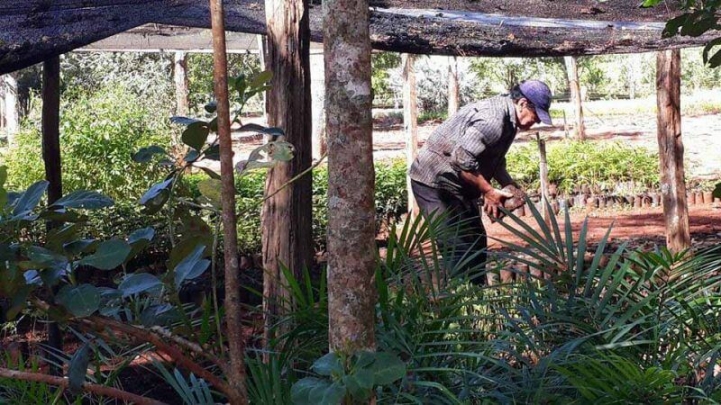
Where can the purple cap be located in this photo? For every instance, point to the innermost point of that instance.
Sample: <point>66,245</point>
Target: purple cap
<point>538,93</point>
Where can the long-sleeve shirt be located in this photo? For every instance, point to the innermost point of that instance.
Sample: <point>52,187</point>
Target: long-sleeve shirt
<point>476,140</point>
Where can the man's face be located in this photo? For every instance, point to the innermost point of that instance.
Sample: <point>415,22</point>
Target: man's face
<point>526,114</point>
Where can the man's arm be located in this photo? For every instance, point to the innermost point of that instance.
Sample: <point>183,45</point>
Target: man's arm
<point>492,198</point>
<point>502,176</point>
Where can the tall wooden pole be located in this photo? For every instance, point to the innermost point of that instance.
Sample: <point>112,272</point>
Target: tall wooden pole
<point>12,122</point>
<point>180,77</point>
<point>351,177</point>
<point>454,99</point>
<point>287,216</point>
<point>670,145</point>
<point>51,157</point>
<point>317,78</point>
<point>543,167</point>
<point>410,122</point>
<point>575,87</point>
<point>236,344</point>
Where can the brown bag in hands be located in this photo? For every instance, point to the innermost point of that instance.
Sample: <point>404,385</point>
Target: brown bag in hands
<point>515,202</point>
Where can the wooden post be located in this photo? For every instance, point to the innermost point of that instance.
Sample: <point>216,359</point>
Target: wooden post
<point>50,124</point>
<point>454,98</point>
<point>410,122</point>
<point>543,166</point>
<point>12,122</point>
<point>575,87</point>
<point>670,145</point>
<point>287,224</point>
<point>235,373</point>
<point>180,78</point>
<point>317,89</point>
<point>351,176</point>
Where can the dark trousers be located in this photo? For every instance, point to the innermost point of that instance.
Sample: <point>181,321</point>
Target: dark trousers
<point>460,236</point>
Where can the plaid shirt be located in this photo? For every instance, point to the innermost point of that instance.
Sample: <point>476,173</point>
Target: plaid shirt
<point>476,140</point>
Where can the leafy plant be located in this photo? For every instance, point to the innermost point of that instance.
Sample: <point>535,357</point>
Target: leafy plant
<point>350,379</point>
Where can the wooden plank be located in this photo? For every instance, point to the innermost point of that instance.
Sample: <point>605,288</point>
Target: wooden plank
<point>410,122</point>
<point>33,38</point>
<point>670,144</point>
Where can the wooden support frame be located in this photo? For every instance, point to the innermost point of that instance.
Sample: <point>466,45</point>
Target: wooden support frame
<point>575,87</point>
<point>670,145</point>
<point>410,121</point>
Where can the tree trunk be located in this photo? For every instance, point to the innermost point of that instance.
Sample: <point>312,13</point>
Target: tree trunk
<point>12,122</point>
<point>317,77</point>
<point>410,121</point>
<point>287,216</point>
<point>262,57</point>
<point>51,157</point>
<point>575,88</point>
<point>351,177</point>
<point>454,98</point>
<point>181,83</point>
<point>670,144</point>
<point>233,313</point>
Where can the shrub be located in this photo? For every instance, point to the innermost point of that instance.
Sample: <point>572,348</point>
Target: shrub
<point>98,133</point>
<point>575,163</point>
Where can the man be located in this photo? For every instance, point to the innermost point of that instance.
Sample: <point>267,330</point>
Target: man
<point>461,157</point>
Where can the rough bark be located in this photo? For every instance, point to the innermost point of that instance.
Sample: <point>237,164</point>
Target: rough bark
<point>351,178</point>
<point>543,169</point>
<point>410,121</point>
<point>233,310</point>
<point>454,98</point>
<point>670,144</point>
<point>575,87</point>
<point>287,215</point>
<point>51,157</point>
<point>180,78</point>
<point>12,122</point>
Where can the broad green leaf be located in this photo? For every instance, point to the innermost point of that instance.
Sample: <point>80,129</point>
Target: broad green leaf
<point>709,46</point>
<point>328,365</point>
<point>144,155</point>
<point>210,172</point>
<point>359,384</point>
<point>211,189</point>
<point>213,152</point>
<point>163,314</point>
<point>673,25</point>
<point>192,266</point>
<point>331,395</point>
<point>195,135</point>
<point>62,215</point>
<point>260,79</point>
<point>387,368</point>
<point>301,391</point>
<point>185,120</point>
<point>141,235</point>
<point>81,301</point>
<point>183,249</point>
<point>155,191</point>
<point>79,246</point>
<point>30,199</point>
<point>78,368</point>
<point>261,129</point>
<point>698,23</point>
<point>46,258</point>
<point>211,107</point>
<point>84,199</point>
<point>58,237</point>
<point>191,156</point>
<point>137,283</point>
<point>110,254</point>
<point>715,60</point>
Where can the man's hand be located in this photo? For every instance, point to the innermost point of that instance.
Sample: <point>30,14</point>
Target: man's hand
<point>493,200</point>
